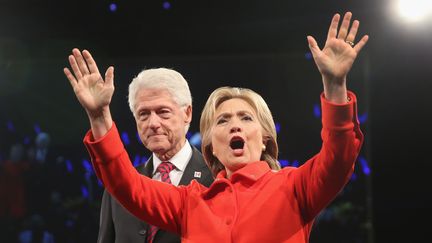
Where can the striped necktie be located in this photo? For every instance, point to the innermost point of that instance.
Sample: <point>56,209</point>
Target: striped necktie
<point>164,169</point>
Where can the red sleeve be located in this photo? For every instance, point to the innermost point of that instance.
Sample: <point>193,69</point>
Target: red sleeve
<point>318,181</point>
<point>155,202</point>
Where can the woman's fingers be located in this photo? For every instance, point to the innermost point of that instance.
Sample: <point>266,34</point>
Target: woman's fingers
<point>333,27</point>
<point>353,31</point>
<point>82,65</point>
<point>361,43</point>
<point>343,31</point>
<point>90,62</point>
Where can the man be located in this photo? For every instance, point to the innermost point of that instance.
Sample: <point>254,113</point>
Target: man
<point>161,103</point>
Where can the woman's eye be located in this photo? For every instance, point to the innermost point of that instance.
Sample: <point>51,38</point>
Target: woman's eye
<point>247,118</point>
<point>220,121</point>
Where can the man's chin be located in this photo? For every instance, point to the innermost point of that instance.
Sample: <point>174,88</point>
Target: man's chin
<point>157,149</point>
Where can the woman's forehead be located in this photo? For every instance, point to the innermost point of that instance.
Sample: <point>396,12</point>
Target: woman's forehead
<point>234,105</point>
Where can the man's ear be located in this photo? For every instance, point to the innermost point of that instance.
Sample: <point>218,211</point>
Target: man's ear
<point>188,114</point>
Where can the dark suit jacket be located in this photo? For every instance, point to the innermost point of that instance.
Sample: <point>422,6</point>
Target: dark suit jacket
<point>120,226</point>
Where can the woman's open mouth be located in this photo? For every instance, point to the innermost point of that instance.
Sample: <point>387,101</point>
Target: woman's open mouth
<point>237,145</point>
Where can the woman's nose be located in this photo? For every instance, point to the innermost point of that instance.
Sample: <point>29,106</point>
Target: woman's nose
<point>235,129</point>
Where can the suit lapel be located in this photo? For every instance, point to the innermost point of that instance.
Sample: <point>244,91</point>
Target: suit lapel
<point>147,168</point>
<point>194,169</point>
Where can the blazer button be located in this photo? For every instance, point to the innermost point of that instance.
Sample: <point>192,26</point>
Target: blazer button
<point>142,232</point>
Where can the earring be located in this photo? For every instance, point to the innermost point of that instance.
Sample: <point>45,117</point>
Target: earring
<point>264,147</point>
<point>214,154</point>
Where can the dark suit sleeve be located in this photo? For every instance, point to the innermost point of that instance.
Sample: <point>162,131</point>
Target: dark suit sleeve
<point>106,224</point>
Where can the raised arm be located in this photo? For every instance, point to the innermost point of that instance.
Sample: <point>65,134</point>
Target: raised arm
<point>92,91</point>
<point>318,181</point>
<point>335,60</point>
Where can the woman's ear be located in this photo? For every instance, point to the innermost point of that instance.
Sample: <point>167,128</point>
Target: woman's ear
<point>265,140</point>
<point>264,143</point>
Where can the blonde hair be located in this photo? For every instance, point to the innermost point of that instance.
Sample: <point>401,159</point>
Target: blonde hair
<point>264,115</point>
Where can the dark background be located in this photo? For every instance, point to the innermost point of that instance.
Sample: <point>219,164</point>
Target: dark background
<point>256,44</point>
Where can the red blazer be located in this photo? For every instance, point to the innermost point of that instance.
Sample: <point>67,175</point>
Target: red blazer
<point>255,205</point>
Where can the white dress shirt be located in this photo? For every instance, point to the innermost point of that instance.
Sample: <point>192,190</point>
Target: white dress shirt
<point>180,160</point>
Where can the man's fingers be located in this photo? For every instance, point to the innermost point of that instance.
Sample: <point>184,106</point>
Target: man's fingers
<point>90,62</point>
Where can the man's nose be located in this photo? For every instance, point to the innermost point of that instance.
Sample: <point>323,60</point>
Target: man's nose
<point>154,121</point>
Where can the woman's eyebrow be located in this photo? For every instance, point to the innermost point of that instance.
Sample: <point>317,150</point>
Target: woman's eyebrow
<point>224,115</point>
<point>244,112</point>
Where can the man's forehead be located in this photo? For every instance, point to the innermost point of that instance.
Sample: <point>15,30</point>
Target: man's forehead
<point>158,92</point>
<point>154,102</point>
<point>157,104</point>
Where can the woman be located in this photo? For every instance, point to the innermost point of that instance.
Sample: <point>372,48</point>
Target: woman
<point>251,200</point>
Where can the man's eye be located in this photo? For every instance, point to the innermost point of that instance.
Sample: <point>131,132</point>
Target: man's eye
<point>165,113</point>
<point>143,117</point>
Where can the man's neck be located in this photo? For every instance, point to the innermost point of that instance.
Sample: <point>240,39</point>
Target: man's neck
<point>167,155</point>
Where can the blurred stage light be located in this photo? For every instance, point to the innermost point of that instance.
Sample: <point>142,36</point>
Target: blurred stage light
<point>87,165</point>
<point>283,163</point>
<point>363,118</point>
<point>414,10</point>
<point>166,5</point>
<point>195,139</point>
<point>10,126</point>
<point>317,110</point>
<point>278,127</point>
<point>137,160</point>
<point>69,166</point>
<point>37,128</point>
<point>113,7</point>
<point>125,138</point>
<point>84,191</point>
<point>365,166</point>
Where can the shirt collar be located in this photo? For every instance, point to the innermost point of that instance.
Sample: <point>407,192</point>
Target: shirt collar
<point>252,171</point>
<point>179,160</point>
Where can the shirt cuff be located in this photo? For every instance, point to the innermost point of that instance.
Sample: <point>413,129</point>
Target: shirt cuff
<point>106,148</point>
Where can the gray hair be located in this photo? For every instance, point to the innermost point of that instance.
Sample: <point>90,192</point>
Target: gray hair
<point>161,78</point>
